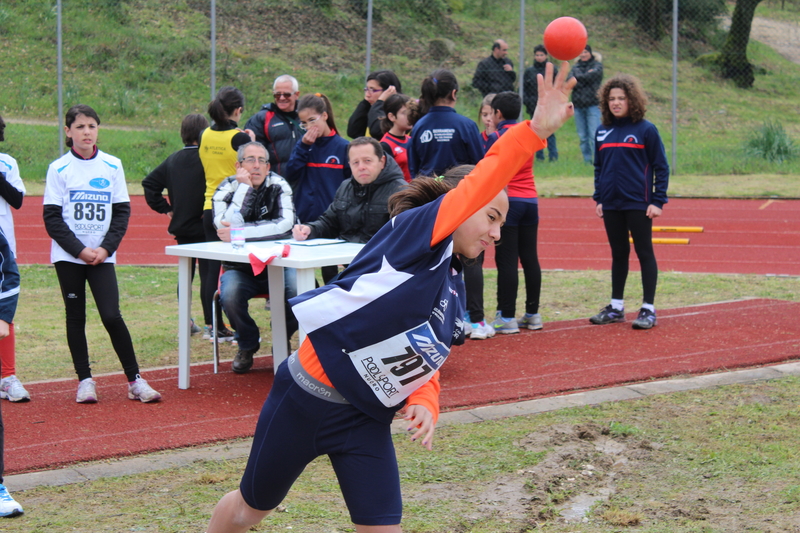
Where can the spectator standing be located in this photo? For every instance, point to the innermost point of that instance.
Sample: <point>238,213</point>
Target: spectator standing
<point>588,72</point>
<point>495,74</point>
<point>487,119</point>
<point>318,164</point>
<point>218,146</point>
<point>182,176</point>
<point>12,192</point>
<point>9,295</point>
<point>264,201</point>
<point>443,139</point>
<point>401,115</point>
<point>86,212</point>
<point>361,205</point>
<point>366,119</point>
<point>631,176</point>
<point>518,236</point>
<point>531,94</point>
<point>276,125</point>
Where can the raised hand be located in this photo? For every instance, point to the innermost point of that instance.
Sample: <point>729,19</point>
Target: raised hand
<point>553,108</point>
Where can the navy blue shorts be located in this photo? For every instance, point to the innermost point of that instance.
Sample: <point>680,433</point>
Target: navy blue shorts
<point>523,212</point>
<point>296,427</point>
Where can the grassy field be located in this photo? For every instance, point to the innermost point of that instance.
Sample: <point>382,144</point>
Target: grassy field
<point>155,70</point>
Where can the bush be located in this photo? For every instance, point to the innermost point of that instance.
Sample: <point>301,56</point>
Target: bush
<point>771,142</point>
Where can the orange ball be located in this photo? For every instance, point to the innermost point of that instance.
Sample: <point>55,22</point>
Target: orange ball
<point>565,38</point>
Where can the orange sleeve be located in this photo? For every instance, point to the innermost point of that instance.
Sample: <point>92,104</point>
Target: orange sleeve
<point>491,175</point>
<point>428,396</point>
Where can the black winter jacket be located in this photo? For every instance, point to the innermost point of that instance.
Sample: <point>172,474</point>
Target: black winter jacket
<point>359,211</point>
<point>589,75</point>
<point>531,86</point>
<point>283,130</point>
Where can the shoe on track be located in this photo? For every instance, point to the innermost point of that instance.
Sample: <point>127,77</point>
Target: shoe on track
<point>531,321</point>
<point>142,391</point>
<point>608,315</point>
<point>481,330</point>
<point>8,505</point>
<point>243,361</point>
<point>504,325</point>
<point>11,389</point>
<point>87,391</point>
<point>645,320</point>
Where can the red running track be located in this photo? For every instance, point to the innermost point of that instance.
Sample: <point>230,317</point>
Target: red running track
<point>52,430</point>
<point>741,236</point>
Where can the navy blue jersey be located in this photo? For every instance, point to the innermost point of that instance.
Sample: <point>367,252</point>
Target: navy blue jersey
<point>397,275</point>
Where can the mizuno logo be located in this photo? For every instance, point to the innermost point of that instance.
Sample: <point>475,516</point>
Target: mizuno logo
<point>89,196</point>
<point>601,135</point>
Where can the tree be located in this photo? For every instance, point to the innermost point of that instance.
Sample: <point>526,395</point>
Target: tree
<point>732,58</point>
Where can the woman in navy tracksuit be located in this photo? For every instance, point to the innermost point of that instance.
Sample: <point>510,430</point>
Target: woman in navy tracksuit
<point>318,164</point>
<point>631,176</point>
<point>440,140</point>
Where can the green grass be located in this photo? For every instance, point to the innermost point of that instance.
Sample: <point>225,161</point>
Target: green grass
<point>145,63</point>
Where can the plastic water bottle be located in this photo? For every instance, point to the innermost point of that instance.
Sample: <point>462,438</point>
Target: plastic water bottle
<point>237,231</point>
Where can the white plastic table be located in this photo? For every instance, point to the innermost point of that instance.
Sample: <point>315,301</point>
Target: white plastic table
<point>304,258</point>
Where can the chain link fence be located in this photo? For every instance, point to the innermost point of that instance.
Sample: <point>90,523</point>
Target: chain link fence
<point>731,45</point>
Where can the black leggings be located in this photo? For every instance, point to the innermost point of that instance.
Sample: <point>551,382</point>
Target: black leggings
<point>208,286</point>
<point>103,281</point>
<point>518,244</point>
<point>618,224</point>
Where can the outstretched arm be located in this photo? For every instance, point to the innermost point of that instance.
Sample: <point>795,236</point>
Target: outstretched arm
<point>507,155</point>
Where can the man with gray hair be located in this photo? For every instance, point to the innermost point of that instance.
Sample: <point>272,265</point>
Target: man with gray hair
<point>262,202</point>
<point>276,124</point>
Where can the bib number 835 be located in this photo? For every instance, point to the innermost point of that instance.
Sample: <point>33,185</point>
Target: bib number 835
<point>89,211</point>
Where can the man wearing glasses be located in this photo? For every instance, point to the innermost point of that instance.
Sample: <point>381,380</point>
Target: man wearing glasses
<point>261,202</point>
<point>276,125</point>
<point>495,74</point>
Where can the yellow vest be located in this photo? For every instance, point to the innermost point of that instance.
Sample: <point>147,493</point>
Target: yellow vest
<point>218,158</point>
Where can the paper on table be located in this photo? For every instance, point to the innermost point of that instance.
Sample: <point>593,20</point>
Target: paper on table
<point>310,242</point>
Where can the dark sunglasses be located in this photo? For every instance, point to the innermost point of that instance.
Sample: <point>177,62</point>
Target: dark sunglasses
<point>279,96</point>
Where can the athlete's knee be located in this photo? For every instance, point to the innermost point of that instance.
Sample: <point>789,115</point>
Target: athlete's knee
<point>233,510</point>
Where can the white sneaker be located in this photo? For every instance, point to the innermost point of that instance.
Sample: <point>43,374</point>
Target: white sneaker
<point>11,389</point>
<point>8,505</point>
<point>481,330</point>
<point>87,391</point>
<point>140,390</point>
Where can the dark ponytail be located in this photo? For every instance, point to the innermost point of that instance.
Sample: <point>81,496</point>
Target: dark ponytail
<point>424,190</point>
<point>440,84</point>
<point>319,103</point>
<point>228,100</point>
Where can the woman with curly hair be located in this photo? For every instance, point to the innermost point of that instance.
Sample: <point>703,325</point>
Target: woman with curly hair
<point>631,175</point>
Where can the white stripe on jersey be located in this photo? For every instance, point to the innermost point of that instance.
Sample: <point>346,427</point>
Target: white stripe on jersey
<point>337,303</point>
